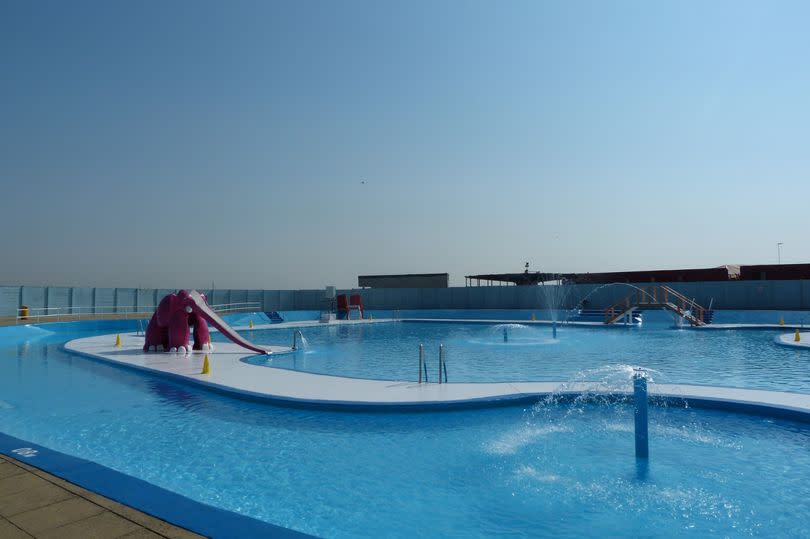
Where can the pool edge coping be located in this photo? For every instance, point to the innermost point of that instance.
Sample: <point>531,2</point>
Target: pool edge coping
<point>141,495</point>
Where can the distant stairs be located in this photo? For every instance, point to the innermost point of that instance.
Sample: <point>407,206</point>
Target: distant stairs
<point>659,296</point>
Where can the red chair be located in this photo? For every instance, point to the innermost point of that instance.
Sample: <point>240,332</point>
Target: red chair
<point>342,305</point>
<point>356,302</point>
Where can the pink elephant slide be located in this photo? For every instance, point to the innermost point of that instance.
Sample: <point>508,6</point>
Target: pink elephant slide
<point>170,326</point>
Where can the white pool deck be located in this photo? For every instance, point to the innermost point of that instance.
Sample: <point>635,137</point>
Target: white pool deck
<point>789,339</point>
<point>229,374</point>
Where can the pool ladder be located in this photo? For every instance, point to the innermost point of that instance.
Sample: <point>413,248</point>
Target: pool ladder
<point>423,365</point>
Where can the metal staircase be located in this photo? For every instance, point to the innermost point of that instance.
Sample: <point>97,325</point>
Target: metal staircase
<point>658,296</point>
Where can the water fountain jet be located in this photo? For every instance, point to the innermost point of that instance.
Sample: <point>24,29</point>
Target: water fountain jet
<point>296,334</point>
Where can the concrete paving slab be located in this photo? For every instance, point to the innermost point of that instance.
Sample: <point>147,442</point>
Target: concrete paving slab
<point>55,515</point>
<point>20,482</point>
<point>105,525</point>
<point>8,469</point>
<point>165,529</point>
<point>10,531</point>
<point>32,498</point>
<point>42,510</point>
<point>142,534</point>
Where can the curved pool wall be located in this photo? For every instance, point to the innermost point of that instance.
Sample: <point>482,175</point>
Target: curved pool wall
<point>336,474</point>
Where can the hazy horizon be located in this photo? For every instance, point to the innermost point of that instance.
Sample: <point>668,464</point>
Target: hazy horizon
<point>291,145</point>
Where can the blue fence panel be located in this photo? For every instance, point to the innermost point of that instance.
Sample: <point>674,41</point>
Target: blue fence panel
<point>270,300</point>
<point>125,299</point>
<point>238,296</point>
<point>309,299</point>
<point>489,296</point>
<point>256,296</point>
<point>82,300</point>
<point>219,297</point>
<point>757,295</point>
<point>145,299</point>
<point>58,297</point>
<point>286,300</point>
<point>33,297</point>
<point>105,300</point>
<point>787,294</point>
<point>408,299</point>
<point>377,296</point>
<point>427,298</point>
<point>760,295</point>
<point>524,299</point>
<point>9,300</point>
<point>459,298</point>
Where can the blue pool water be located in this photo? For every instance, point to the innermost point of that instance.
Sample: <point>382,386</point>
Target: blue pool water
<point>556,470</point>
<point>477,353</point>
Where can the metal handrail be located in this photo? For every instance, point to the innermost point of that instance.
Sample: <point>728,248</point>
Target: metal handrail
<point>648,295</point>
<point>442,364</point>
<point>422,364</point>
<point>39,314</point>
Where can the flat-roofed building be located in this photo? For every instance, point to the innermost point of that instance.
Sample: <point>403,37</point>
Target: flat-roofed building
<point>776,272</point>
<point>407,280</point>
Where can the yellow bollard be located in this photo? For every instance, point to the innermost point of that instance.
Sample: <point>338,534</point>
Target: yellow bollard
<point>250,325</point>
<point>206,366</point>
<point>781,320</point>
<point>534,317</point>
<point>118,341</point>
<point>797,337</point>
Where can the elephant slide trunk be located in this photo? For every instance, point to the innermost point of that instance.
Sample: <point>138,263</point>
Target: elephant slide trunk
<point>214,319</point>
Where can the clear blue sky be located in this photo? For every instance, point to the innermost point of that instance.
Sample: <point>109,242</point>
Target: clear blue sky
<point>179,143</point>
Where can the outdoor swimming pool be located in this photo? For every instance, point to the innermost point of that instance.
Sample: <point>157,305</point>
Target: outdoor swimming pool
<point>540,470</point>
<point>475,352</point>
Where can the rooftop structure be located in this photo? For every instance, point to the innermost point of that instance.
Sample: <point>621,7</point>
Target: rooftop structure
<point>407,280</point>
<point>721,273</point>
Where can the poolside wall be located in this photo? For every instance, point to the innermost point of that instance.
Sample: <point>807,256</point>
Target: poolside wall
<point>784,295</point>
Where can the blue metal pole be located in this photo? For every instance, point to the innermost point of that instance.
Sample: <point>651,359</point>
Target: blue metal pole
<point>640,398</point>
<point>505,335</point>
<point>554,329</point>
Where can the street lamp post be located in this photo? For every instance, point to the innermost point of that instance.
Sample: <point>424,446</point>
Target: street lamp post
<point>779,250</point>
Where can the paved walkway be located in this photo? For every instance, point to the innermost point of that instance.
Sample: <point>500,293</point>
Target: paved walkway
<point>36,504</point>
